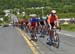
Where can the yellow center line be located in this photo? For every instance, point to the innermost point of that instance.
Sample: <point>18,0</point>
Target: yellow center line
<point>42,52</point>
<point>28,42</point>
<point>29,39</point>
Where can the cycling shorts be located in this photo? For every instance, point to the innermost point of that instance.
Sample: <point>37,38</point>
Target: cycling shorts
<point>33,24</point>
<point>42,22</point>
<point>52,24</point>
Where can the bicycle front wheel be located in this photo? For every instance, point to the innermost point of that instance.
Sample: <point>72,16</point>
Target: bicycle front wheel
<point>56,41</point>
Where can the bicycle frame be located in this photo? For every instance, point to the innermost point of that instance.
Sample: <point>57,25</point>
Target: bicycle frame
<point>54,38</point>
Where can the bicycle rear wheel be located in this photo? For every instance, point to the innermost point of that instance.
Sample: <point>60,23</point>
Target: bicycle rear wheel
<point>33,36</point>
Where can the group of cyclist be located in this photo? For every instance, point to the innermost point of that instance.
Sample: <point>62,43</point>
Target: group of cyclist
<point>45,23</point>
<point>51,21</point>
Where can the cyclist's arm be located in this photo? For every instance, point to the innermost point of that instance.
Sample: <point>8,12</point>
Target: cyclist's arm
<point>36,24</point>
<point>45,22</point>
<point>57,21</point>
<point>39,23</point>
<point>48,20</point>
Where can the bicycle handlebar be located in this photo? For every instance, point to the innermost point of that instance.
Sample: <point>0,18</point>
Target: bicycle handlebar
<point>59,28</point>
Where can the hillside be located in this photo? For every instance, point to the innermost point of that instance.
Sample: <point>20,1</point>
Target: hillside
<point>62,6</point>
<point>58,4</point>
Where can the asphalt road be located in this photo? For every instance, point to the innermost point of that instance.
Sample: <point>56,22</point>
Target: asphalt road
<point>67,45</point>
<point>13,42</point>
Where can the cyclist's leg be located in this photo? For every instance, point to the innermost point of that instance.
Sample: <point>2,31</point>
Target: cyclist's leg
<point>41,30</point>
<point>38,29</point>
<point>34,32</point>
<point>33,29</point>
<point>29,27</point>
<point>44,29</point>
<point>50,33</point>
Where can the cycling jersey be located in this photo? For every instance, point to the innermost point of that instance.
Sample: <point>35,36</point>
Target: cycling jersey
<point>51,19</point>
<point>42,21</point>
<point>33,22</point>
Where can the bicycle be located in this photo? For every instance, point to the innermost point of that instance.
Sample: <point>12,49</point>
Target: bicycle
<point>54,38</point>
<point>42,31</point>
<point>33,35</point>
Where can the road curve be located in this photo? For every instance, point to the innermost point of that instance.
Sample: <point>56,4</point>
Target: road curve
<point>12,42</point>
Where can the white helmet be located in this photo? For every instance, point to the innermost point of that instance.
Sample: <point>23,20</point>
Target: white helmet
<point>53,11</point>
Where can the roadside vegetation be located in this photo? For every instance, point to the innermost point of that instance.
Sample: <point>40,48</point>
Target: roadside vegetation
<point>68,27</point>
<point>64,8</point>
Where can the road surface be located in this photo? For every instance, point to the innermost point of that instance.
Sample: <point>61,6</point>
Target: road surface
<point>12,42</point>
<point>15,41</point>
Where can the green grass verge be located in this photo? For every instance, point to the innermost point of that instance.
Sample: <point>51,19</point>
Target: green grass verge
<point>66,15</point>
<point>68,27</point>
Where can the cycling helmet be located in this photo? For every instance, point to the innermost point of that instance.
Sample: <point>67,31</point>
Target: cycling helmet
<point>53,11</point>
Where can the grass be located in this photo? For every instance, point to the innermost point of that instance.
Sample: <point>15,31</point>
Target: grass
<point>66,15</point>
<point>68,27</point>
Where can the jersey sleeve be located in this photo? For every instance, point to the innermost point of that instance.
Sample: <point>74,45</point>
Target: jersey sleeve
<point>48,20</point>
<point>56,17</point>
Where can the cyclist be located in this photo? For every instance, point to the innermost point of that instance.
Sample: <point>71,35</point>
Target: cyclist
<point>42,24</point>
<point>33,22</point>
<point>52,23</point>
<point>26,24</point>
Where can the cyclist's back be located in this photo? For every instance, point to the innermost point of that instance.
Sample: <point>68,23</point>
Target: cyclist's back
<point>42,21</point>
<point>52,18</point>
<point>33,21</point>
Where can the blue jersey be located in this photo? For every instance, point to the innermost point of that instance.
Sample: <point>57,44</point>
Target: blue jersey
<point>34,20</point>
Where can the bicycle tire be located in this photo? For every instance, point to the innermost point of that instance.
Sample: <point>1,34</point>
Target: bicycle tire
<point>57,41</point>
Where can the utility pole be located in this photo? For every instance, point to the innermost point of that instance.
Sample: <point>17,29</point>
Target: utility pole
<point>42,11</point>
